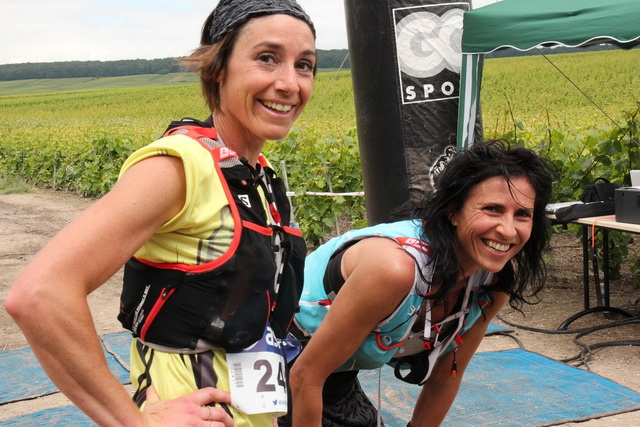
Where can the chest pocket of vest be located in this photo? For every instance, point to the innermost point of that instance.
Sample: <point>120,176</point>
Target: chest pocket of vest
<point>240,305</point>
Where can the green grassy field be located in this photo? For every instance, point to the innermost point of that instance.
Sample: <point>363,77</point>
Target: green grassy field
<point>38,86</point>
<point>523,95</point>
<point>598,87</point>
<point>532,91</point>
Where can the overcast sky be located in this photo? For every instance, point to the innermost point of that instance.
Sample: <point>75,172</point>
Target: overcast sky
<point>70,30</point>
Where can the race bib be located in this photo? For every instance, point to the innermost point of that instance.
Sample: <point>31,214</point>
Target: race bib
<point>258,378</point>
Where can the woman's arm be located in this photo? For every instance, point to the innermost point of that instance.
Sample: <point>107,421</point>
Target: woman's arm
<point>379,274</point>
<point>440,390</point>
<point>49,299</point>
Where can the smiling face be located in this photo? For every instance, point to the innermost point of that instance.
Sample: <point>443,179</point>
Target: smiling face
<point>267,80</point>
<point>494,223</point>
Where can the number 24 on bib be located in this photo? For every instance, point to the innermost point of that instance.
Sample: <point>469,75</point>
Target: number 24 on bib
<point>257,377</point>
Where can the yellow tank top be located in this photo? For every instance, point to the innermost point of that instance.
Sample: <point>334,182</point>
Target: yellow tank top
<point>203,228</point>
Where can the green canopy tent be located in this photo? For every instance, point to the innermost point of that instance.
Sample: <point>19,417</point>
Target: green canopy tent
<point>527,24</point>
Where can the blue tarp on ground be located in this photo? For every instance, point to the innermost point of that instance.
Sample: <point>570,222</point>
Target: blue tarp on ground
<point>507,388</point>
<point>510,388</point>
<point>22,377</point>
<point>64,416</point>
<point>496,328</point>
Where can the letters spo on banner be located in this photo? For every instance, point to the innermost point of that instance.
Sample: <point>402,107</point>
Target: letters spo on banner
<point>428,44</point>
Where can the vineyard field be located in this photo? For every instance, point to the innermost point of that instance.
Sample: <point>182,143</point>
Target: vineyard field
<point>563,91</point>
<point>23,87</point>
<point>53,135</point>
<point>526,90</point>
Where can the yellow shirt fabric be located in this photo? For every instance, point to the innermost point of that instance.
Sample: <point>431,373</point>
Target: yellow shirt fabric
<point>203,228</point>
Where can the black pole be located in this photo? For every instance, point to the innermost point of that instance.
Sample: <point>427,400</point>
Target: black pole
<point>405,58</point>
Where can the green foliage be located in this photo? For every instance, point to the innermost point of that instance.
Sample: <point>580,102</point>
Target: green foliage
<point>13,185</point>
<point>334,59</point>
<point>321,163</point>
<point>90,170</point>
<point>67,69</point>
<point>580,158</point>
<point>529,91</point>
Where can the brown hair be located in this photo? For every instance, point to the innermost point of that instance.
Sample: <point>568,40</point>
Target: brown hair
<point>207,61</point>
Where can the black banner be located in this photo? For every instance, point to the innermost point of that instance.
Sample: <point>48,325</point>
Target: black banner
<point>405,64</point>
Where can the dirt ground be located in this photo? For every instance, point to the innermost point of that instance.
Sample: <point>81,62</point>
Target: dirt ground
<point>28,221</point>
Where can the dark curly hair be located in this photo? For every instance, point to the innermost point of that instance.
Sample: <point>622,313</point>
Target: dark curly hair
<point>525,275</point>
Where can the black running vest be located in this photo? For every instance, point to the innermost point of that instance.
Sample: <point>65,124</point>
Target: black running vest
<point>258,279</point>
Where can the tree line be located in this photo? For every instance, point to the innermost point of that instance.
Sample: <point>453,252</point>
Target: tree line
<point>128,67</point>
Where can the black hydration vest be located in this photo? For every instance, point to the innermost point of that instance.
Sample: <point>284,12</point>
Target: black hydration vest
<point>228,301</point>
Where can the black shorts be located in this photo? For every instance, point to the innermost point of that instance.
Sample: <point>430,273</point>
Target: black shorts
<point>345,404</point>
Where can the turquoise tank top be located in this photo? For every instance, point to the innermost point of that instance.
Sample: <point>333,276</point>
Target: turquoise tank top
<point>387,338</point>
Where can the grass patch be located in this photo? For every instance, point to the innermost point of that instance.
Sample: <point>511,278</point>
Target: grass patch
<point>34,86</point>
<point>13,185</point>
<point>39,86</point>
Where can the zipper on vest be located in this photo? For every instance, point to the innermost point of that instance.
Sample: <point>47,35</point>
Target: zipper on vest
<point>166,293</point>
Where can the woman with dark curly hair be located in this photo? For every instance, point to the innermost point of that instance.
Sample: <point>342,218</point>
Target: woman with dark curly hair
<point>420,294</point>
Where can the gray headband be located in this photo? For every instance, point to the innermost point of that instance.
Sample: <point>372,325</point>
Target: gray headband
<point>231,14</point>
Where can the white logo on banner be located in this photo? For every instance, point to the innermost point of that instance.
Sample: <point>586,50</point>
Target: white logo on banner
<point>428,43</point>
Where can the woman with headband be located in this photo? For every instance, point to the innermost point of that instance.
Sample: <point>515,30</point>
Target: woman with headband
<point>201,223</point>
